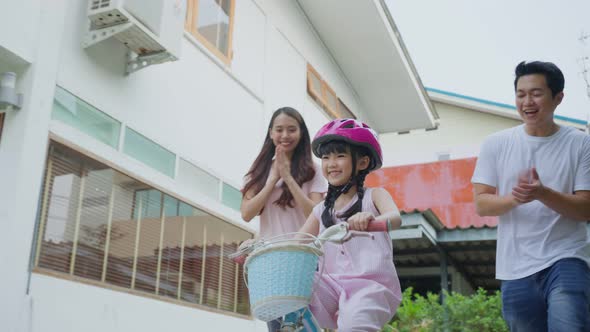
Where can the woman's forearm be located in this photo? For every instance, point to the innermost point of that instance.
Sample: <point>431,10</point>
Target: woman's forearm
<point>251,207</point>
<point>299,196</point>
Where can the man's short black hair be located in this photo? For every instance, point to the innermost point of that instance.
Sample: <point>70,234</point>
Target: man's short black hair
<point>553,75</point>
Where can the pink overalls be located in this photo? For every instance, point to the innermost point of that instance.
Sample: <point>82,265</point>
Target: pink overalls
<point>359,289</point>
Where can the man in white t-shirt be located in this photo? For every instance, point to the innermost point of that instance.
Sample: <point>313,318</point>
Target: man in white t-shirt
<point>536,178</point>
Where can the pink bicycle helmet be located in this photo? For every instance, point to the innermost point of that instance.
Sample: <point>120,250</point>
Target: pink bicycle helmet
<point>353,132</point>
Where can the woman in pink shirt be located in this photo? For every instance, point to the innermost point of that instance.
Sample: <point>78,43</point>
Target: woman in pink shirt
<point>283,184</point>
<point>359,289</point>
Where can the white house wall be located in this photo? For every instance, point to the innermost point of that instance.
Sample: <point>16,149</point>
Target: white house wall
<point>285,82</point>
<point>212,115</point>
<point>191,107</point>
<point>25,20</point>
<point>92,309</point>
<point>460,134</point>
<point>289,18</point>
<point>24,143</point>
<point>250,46</point>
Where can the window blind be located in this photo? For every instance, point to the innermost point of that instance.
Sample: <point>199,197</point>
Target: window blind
<point>100,224</point>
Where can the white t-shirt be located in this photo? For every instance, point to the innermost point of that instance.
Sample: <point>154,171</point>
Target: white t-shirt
<point>532,236</point>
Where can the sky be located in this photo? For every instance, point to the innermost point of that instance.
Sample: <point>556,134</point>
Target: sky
<point>471,47</point>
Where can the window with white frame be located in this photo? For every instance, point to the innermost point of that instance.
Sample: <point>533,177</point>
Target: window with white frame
<point>211,22</point>
<point>101,225</point>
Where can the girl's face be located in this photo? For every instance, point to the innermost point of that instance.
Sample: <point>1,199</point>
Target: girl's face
<point>337,167</point>
<point>285,132</point>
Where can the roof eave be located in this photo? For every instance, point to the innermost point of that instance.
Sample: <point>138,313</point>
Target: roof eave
<point>367,47</point>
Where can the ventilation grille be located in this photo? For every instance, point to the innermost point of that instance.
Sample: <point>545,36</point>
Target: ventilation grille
<point>96,4</point>
<point>105,19</point>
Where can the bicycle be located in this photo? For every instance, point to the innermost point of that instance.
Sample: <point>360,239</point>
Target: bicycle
<point>286,292</point>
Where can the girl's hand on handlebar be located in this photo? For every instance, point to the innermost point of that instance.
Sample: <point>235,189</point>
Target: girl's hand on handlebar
<point>359,221</point>
<point>243,250</point>
<point>247,243</point>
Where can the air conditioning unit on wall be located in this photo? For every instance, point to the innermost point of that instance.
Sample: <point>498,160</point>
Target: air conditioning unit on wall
<point>151,29</point>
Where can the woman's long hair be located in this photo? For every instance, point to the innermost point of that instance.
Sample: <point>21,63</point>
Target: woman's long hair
<point>301,163</point>
<point>357,180</point>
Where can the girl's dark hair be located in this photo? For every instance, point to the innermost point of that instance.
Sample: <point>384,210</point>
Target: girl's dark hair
<point>301,163</point>
<point>357,180</point>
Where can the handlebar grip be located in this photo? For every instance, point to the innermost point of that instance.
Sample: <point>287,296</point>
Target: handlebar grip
<point>379,226</point>
<point>239,259</point>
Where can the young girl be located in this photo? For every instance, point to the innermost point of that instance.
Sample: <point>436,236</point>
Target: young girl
<point>358,289</point>
<point>283,184</point>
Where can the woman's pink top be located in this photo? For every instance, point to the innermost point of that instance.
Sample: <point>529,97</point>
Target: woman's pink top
<point>275,220</point>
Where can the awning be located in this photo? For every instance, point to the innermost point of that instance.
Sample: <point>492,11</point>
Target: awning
<point>423,242</point>
<point>366,45</point>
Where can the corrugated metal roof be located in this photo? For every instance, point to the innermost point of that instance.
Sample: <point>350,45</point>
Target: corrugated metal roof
<point>444,187</point>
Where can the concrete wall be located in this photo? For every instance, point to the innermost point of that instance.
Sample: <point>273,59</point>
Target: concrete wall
<point>31,34</point>
<point>24,18</point>
<point>118,311</point>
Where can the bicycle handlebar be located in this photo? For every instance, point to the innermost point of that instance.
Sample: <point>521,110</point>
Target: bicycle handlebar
<point>379,226</point>
<point>241,259</point>
<point>374,226</point>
